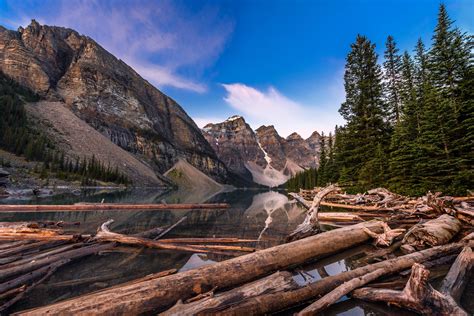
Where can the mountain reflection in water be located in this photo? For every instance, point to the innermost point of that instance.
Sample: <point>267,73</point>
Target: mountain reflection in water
<point>264,215</point>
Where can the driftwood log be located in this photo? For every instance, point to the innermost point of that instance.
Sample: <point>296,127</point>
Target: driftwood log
<point>268,303</point>
<point>386,238</point>
<point>279,281</point>
<point>435,232</point>
<point>161,293</point>
<point>105,235</point>
<point>310,225</point>
<point>419,296</point>
<point>107,206</point>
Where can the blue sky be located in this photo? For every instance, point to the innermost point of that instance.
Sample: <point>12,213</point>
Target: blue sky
<point>276,62</point>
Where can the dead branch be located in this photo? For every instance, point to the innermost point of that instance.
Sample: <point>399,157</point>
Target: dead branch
<point>310,224</point>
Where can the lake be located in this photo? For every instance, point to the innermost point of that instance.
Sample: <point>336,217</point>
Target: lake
<point>267,216</point>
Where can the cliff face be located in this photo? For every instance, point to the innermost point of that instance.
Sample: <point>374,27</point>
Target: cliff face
<point>63,66</point>
<point>262,156</point>
<point>235,144</point>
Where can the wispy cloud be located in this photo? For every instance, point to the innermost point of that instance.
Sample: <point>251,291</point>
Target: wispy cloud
<point>272,107</point>
<point>168,44</point>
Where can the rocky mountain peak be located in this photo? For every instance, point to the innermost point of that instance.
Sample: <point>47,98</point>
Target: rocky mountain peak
<point>294,137</point>
<point>61,65</point>
<point>270,158</point>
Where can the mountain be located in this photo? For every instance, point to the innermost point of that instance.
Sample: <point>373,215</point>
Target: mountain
<point>73,73</point>
<point>262,156</point>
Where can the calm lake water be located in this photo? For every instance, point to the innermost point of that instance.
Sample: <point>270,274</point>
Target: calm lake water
<point>264,215</point>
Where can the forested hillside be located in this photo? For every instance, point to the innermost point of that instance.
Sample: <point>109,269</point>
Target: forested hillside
<point>18,135</point>
<point>409,121</point>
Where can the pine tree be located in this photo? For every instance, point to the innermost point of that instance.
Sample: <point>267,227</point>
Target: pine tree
<point>365,132</point>
<point>404,144</point>
<point>392,76</point>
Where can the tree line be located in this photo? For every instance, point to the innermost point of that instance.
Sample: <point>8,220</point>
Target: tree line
<point>410,120</point>
<point>19,136</point>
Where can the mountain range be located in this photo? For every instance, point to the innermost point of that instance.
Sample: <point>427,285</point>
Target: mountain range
<point>92,103</point>
<point>262,156</point>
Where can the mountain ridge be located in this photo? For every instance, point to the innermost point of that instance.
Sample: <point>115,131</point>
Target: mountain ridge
<point>63,66</point>
<point>261,155</point>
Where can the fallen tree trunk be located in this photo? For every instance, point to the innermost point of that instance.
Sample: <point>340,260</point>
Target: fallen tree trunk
<point>435,232</point>
<point>104,234</point>
<point>269,303</point>
<point>310,225</point>
<point>71,255</point>
<point>161,293</point>
<point>418,295</point>
<point>333,296</point>
<point>458,276</point>
<point>107,206</point>
<point>328,216</point>
<point>279,281</point>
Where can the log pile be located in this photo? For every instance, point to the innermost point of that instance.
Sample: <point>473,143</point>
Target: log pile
<point>433,232</point>
<point>30,252</point>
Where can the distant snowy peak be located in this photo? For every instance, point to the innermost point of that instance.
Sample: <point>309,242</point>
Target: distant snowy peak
<point>262,156</point>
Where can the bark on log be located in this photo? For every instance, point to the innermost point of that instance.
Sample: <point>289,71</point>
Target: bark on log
<point>438,231</point>
<point>107,206</point>
<point>269,303</point>
<point>418,295</point>
<point>161,293</point>
<point>279,281</point>
<point>310,225</point>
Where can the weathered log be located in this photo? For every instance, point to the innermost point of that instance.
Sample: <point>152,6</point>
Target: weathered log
<point>387,237</point>
<point>465,215</point>
<point>71,255</point>
<point>279,281</point>
<point>457,277</point>
<point>434,232</point>
<point>328,216</point>
<point>28,289</point>
<point>161,293</point>
<point>107,206</point>
<point>310,224</point>
<point>386,195</point>
<point>383,252</point>
<point>104,234</point>
<point>37,246</point>
<point>333,296</point>
<point>269,303</point>
<point>453,283</point>
<point>13,244</point>
<point>418,295</point>
<point>40,255</point>
<point>33,275</point>
<point>224,240</point>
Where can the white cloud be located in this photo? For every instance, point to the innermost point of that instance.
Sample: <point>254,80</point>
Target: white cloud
<point>273,108</point>
<point>166,43</point>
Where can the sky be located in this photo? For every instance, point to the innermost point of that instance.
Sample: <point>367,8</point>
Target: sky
<point>275,62</point>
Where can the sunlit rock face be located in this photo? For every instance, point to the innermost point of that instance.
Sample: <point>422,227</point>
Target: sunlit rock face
<point>61,65</point>
<point>261,155</point>
<point>235,144</point>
